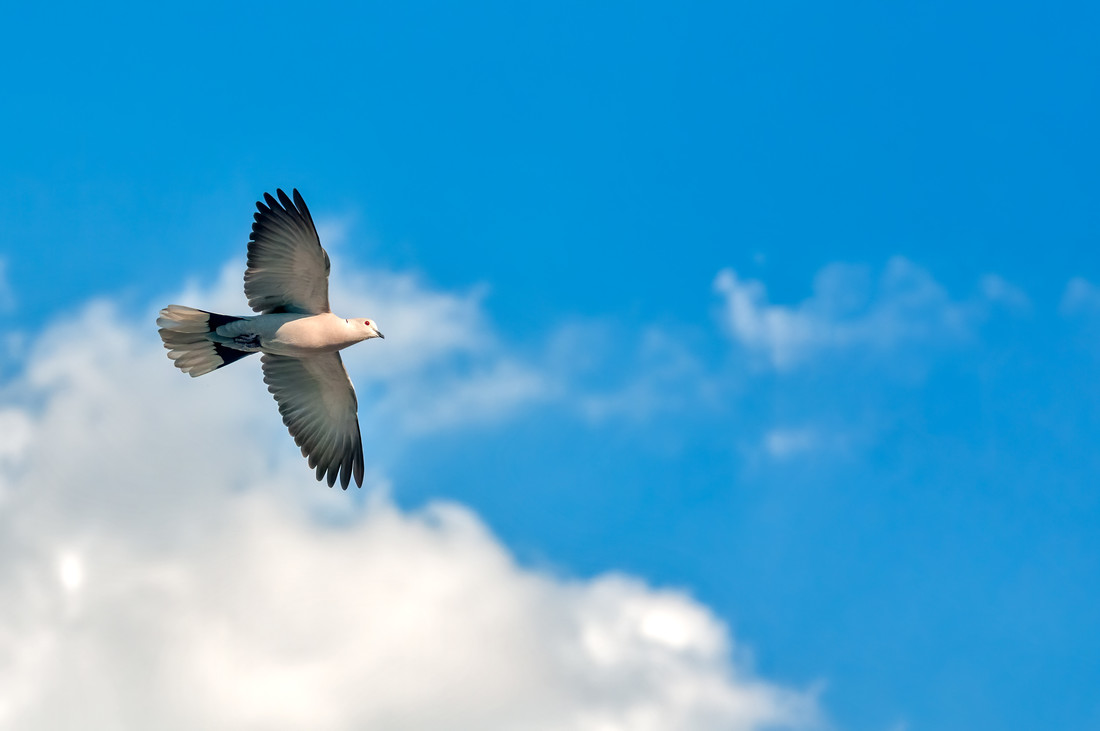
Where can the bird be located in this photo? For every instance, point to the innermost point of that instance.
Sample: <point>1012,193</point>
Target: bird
<point>296,333</point>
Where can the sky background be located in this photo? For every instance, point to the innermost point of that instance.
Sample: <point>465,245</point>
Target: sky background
<point>739,367</point>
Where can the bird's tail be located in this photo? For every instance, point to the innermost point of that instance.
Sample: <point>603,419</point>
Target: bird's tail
<point>192,341</point>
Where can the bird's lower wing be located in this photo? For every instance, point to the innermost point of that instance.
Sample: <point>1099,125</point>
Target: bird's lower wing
<point>318,405</point>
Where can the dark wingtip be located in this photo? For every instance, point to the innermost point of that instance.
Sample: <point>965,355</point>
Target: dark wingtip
<point>288,205</point>
<point>300,202</point>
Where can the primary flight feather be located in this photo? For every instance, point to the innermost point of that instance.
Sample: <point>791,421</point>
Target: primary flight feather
<point>287,283</point>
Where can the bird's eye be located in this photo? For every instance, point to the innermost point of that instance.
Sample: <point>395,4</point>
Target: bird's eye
<point>367,323</point>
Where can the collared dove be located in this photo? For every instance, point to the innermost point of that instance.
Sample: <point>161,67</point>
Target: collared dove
<point>287,283</point>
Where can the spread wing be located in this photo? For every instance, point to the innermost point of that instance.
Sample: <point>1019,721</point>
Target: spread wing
<point>318,405</point>
<point>287,268</point>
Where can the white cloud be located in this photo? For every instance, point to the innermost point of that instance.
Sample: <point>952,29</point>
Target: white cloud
<point>7,294</point>
<point>1080,296</point>
<point>784,443</point>
<point>791,443</point>
<point>443,364</point>
<point>995,288</point>
<point>848,310</point>
<point>663,374</point>
<point>170,563</point>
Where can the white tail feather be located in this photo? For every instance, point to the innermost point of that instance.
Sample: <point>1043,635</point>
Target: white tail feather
<point>186,333</point>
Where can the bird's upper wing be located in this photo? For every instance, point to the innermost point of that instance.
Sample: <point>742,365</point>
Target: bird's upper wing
<point>287,268</point>
<point>318,405</point>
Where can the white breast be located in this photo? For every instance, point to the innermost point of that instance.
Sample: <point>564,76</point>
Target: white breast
<point>310,335</point>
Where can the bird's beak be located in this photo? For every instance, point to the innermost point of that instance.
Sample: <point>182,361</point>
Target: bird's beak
<point>380,333</point>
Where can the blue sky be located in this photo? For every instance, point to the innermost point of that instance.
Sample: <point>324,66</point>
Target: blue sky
<point>792,308</point>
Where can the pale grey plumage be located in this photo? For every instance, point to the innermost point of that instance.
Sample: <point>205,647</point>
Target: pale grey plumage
<point>287,282</point>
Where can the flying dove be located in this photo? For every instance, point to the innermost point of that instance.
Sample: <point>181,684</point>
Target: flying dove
<point>287,283</point>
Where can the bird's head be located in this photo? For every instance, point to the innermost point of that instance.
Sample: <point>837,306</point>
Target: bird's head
<point>368,328</point>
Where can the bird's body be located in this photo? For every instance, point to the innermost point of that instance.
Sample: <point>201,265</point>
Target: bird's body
<point>295,335</point>
<point>298,335</point>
